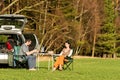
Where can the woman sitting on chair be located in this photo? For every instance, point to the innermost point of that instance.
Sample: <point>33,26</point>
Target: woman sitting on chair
<point>60,60</point>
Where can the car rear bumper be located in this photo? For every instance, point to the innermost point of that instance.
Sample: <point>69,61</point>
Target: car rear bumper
<point>3,58</point>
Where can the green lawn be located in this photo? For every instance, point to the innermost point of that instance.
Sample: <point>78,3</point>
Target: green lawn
<point>84,69</point>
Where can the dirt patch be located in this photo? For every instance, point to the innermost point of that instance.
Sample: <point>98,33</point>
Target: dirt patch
<point>46,58</point>
<point>77,57</point>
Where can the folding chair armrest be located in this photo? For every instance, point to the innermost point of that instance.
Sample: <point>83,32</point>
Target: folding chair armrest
<point>69,58</point>
<point>20,57</point>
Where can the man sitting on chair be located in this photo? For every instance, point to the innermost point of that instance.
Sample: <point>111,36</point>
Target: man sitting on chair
<point>60,60</point>
<point>24,50</point>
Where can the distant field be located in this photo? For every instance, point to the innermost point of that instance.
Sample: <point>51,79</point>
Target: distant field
<point>84,69</point>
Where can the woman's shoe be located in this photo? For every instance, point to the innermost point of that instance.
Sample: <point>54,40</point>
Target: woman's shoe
<point>60,69</point>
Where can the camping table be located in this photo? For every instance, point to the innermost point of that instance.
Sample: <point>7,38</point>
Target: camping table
<point>50,60</point>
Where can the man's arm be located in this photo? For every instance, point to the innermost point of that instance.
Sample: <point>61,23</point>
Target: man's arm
<point>31,52</point>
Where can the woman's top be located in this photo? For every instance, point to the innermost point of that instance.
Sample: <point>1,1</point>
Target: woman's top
<point>65,52</point>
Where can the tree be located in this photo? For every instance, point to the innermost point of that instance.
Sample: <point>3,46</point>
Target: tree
<point>90,29</point>
<point>106,40</point>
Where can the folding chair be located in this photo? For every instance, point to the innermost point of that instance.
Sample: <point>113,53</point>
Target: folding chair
<point>68,60</point>
<point>20,61</point>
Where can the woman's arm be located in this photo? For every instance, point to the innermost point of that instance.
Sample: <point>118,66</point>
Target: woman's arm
<point>70,53</point>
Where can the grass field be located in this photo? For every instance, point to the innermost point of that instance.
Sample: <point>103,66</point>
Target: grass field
<point>84,69</point>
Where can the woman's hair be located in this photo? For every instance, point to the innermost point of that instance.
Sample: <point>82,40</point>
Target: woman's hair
<point>68,43</point>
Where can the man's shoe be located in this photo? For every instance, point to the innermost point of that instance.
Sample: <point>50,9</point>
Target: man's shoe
<point>32,69</point>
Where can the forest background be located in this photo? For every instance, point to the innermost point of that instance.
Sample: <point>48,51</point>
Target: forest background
<point>91,26</point>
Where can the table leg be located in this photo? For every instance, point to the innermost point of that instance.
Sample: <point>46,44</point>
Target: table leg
<point>38,62</point>
<point>52,62</point>
<point>49,64</point>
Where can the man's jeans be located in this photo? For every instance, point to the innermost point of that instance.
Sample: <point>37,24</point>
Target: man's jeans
<point>31,61</point>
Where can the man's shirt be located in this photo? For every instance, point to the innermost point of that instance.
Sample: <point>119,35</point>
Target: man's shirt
<point>24,48</point>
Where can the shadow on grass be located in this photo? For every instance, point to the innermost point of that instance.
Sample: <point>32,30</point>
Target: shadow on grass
<point>4,66</point>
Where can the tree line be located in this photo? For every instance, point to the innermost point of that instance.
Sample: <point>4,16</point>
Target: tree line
<point>91,26</point>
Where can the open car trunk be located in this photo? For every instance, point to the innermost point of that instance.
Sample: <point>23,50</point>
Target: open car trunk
<point>12,26</point>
